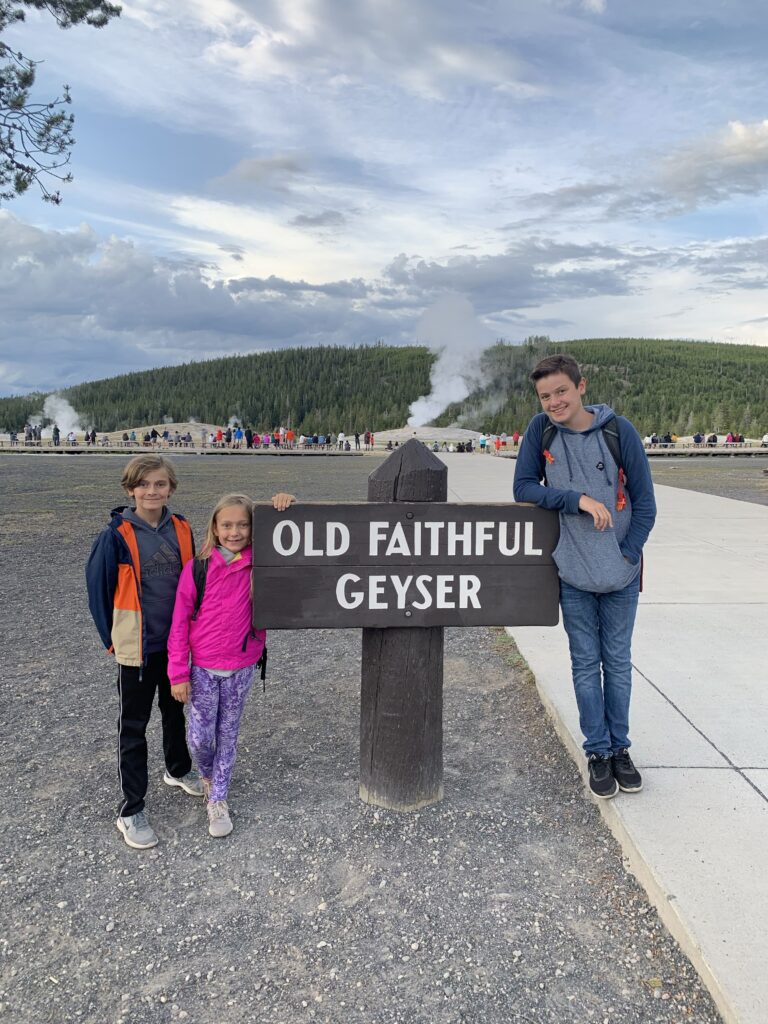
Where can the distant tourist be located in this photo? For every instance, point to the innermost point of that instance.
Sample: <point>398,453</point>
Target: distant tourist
<point>210,665</point>
<point>606,510</point>
<point>55,436</point>
<point>132,575</point>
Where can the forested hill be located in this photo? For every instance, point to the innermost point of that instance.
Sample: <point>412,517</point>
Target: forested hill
<point>680,386</point>
<point>310,389</point>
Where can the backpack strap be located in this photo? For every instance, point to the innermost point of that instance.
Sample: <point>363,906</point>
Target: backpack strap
<point>612,438</point>
<point>547,436</point>
<point>199,575</point>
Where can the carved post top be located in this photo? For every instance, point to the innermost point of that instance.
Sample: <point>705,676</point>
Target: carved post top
<point>411,473</point>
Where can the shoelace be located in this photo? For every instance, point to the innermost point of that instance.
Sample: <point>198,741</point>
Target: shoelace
<point>140,820</point>
<point>218,809</point>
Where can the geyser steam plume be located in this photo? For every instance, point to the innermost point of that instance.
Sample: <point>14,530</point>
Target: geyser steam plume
<point>451,328</point>
<point>60,412</point>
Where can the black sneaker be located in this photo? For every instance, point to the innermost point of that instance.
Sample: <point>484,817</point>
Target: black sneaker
<point>628,777</point>
<point>601,780</point>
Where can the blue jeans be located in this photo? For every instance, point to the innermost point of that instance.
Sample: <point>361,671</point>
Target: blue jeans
<point>599,628</point>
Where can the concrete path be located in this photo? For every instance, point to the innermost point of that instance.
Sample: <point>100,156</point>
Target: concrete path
<point>697,836</point>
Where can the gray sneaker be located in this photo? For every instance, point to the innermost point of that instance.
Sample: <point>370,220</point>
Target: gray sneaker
<point>219,821</point>
<point>137,831</point>
<point>191,782</point>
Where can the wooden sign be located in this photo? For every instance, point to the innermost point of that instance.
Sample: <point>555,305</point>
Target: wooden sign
<point>404,564</point>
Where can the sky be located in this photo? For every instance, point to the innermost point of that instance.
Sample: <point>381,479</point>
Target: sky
<point>258,174</point>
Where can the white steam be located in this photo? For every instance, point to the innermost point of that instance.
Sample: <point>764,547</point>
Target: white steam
<point>60,412</point>
<point>452,329</point>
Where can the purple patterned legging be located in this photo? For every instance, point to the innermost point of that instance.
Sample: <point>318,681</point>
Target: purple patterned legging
<point>215,709</point>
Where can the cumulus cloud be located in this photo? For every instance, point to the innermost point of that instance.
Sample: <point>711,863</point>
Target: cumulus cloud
<point>96,305</point>
<point>712,168</point>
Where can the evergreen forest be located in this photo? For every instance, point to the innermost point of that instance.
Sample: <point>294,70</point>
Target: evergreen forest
<point>319,389</point>
<point>680,386</point>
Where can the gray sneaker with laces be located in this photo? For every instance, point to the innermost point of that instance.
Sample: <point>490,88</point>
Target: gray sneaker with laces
<point>191,782</point>
<point>137,831</point>
<point>219,821</point>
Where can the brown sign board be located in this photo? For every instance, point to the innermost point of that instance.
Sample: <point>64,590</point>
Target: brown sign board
<point>328,565</point>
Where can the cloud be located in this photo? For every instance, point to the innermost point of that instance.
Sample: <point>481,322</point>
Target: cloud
<point>274,172</point>
<point>732,161</point>
<point>328,218</point>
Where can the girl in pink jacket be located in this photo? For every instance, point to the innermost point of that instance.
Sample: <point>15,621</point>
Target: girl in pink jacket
<point>212,651</point>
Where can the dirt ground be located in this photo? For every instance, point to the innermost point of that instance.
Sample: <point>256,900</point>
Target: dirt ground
<point>505,904</point>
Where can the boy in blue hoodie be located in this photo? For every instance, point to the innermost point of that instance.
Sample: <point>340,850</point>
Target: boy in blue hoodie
<point>568,462</point>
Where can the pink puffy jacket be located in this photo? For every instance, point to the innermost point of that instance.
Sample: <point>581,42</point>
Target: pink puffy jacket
<point>216,638</point>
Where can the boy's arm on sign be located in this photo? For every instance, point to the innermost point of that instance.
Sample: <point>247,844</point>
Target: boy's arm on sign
<point>529,472</point>
<point>640,490</point>
<point>178,638</point>
<point>101,580</point>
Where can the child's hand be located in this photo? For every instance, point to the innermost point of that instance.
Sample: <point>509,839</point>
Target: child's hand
<point>181,692</point>
<point>282,500</point>
<point>601,516</point>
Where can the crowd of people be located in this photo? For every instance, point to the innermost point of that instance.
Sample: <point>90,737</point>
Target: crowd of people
<point>235,436</point>
<point>698,440</point>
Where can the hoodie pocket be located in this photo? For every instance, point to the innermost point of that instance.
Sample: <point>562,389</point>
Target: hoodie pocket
<point>589,559</point>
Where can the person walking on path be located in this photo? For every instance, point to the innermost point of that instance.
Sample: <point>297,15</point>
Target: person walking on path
<point>132,574</point>
<point>590,466</point>
<point>213,648</point>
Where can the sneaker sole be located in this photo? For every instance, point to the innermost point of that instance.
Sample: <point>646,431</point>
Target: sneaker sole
<point>605,796</point>
<point>170,781</point>
<point>630,789</point>
<point>130,842</point>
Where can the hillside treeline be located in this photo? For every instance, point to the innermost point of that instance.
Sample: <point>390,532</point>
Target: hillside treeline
<point>680,386</point>
<point>310,389</point>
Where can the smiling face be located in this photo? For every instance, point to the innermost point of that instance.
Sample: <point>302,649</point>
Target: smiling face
<point>232,527</point>
<point>150,495</point>
<point>561,400</point>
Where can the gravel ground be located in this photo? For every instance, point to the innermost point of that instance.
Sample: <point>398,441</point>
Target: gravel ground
<point>738,477</point>
<point>506,903</point>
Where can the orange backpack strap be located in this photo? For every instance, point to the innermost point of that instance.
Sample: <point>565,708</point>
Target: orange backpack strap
<point>184,535</point>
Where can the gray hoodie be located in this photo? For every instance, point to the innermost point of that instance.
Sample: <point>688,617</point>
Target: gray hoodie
<point>585,557</point>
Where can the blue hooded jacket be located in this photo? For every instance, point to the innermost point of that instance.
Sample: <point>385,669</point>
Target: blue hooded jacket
<point>581,463</point>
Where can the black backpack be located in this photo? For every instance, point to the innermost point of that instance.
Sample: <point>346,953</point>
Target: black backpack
<point>200,575</point>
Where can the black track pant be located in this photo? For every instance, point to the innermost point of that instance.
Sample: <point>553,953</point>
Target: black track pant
<point>136,696</point>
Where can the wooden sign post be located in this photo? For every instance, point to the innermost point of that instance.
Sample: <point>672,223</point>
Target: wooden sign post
<point>401,697</point>
<point>402,567</point>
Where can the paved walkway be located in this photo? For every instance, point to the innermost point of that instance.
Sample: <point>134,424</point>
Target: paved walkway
<point>697,836</point>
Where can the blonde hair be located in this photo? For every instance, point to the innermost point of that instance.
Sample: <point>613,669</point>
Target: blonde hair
<point>211,540</point>
<point>138,467</point>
